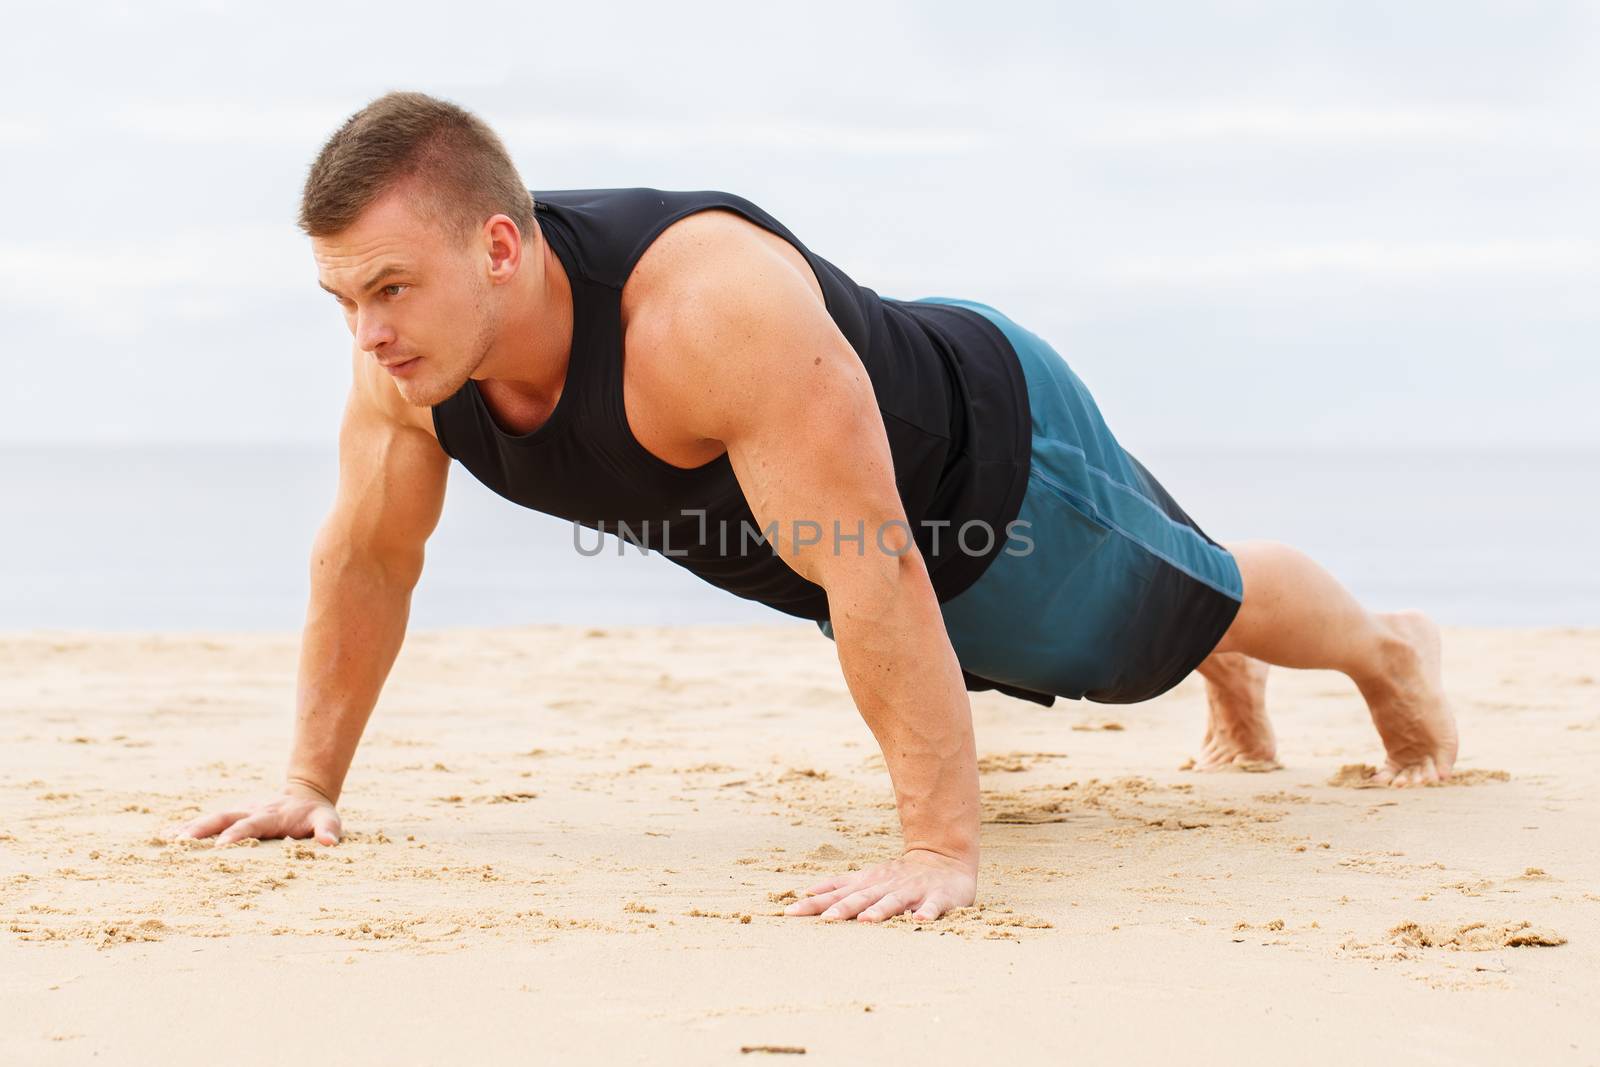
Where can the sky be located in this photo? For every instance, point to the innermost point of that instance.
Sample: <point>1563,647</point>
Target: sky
<point>1252,224</point>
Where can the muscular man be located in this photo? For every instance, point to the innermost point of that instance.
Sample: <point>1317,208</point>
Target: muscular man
<point>925,479</point>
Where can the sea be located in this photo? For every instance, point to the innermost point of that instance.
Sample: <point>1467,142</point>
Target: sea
<point>217,537</point>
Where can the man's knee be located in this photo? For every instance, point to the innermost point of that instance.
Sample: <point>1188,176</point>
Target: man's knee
<point>1223,667</point>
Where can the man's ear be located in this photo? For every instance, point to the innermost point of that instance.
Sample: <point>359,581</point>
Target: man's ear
<point>505,246</point>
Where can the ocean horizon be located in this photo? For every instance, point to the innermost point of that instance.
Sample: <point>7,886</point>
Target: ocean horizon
<point>169,537</point>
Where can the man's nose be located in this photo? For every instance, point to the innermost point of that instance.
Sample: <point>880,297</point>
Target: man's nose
<point>372,332</point>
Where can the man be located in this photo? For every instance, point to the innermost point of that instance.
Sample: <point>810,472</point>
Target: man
<point>926,479</point>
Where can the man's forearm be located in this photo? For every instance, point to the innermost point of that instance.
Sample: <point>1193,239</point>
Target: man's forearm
<point>906,681</point>
<point>354,627</point>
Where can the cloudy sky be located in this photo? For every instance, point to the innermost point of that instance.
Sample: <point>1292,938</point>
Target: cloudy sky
<point>1243,223</point>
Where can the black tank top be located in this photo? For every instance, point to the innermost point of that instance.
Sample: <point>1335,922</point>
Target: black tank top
<point>948,384</point>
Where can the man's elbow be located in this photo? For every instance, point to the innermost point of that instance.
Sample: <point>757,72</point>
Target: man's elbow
<point>335,553</point>
<point>876,585</point>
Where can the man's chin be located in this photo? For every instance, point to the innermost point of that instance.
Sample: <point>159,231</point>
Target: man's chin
<point>415,394</point>
<point>423,393</point>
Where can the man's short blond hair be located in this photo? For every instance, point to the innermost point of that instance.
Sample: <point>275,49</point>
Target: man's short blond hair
<point>456,165</point>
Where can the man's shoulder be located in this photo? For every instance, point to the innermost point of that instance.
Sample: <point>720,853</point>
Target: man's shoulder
<point>688,253</point>
<point>713,256</point>
<point>726,315</point>
<point>375,391</point>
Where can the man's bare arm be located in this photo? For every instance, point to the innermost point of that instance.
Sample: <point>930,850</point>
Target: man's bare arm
<point>365,562</point>
<point>751,359</point>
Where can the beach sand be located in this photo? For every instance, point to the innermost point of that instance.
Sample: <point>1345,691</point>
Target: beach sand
<point>576,843</point>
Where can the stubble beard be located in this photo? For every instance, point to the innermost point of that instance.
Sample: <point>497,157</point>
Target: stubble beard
<point>430,395</point>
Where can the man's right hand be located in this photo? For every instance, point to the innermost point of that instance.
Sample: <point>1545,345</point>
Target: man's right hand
<point>365,561</point>
<point>298,811</point>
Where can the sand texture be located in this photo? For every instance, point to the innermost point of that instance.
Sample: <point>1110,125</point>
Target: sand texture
<point>569,844</point>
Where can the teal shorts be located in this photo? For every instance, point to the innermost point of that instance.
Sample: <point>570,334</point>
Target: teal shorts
<point>1118,594</point>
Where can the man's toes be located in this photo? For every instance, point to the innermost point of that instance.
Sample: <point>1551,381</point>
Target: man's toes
<point>1414,774</point>
<point>1428,773</point>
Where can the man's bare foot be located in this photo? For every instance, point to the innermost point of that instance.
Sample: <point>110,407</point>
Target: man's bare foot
<point>1238,734</point>
<point>1408,704</point>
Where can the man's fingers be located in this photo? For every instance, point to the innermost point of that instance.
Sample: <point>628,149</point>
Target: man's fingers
<point>849,907</point>
<point>325,826</point>
<point>887,891</point>
<point>817,902</point>
<point>207,825</point>
<point>813,904</point>
<point>255,826</point>
<point>831,884</point>
<point>891,905</point>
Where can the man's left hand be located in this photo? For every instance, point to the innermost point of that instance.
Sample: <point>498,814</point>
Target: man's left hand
<point>926,883</point>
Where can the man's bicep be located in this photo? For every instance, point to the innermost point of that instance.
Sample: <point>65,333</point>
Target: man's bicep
<point>794,406</point>
<point>392,478</point>
<point>821,469</point>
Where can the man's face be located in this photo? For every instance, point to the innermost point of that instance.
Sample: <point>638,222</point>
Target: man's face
<point>416,299</point>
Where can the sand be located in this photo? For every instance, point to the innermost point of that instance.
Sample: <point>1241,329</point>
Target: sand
<point>575,844</point>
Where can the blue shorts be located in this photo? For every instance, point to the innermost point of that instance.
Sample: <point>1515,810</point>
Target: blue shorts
<point>1110,592</point>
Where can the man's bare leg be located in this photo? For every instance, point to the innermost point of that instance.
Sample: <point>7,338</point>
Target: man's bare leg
<point>1295,614</point>
<point>1238,732</point>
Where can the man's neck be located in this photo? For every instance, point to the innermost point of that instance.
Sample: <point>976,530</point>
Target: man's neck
<point>534,346</point>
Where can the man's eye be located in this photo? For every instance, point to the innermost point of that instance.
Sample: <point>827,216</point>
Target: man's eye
<point>393,286</point>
